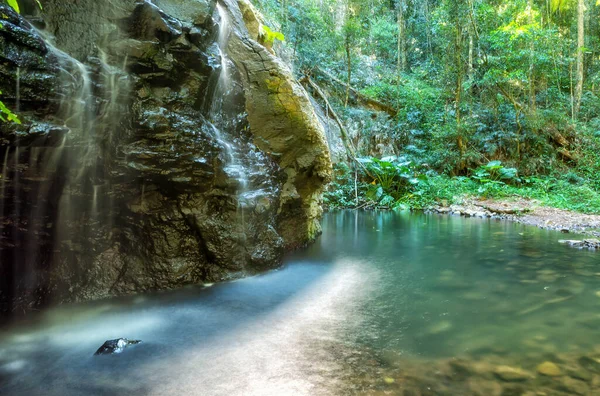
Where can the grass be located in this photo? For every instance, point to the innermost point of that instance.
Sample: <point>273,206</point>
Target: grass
<point>557,193</point>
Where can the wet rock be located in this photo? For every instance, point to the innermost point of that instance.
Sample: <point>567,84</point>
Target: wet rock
<point>513,390</point>
<point>460,369</point>
<point>512,374</point>
<point>573,386</point>
<point>586,243</point>
<point>440,327</point>
<point>549,369</point>
<point>590,363</point>
<point>482,387</point>
<point>118,345</point>
<point>170,209</point>
<point>276,102</point>
<point>579,373</point>
<point>148,22</point>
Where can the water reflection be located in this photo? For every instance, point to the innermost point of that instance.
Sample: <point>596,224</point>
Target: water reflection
<point>376,289</point>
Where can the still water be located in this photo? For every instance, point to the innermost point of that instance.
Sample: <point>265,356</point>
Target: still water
<point>379,294</point>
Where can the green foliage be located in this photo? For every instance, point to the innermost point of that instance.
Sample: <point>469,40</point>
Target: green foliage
<point>388,182</point>
<point>393,179</point>
<point>270,36</point>
<point>495,173</point>
<point>15,5</point>
<point>341,192</point>
<point>7,115</point>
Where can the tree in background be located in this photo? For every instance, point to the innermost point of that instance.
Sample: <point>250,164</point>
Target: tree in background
<point>470,81</point>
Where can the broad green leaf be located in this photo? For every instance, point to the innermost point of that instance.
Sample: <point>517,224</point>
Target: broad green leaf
<point>15,5</point>
<point>270,35</point>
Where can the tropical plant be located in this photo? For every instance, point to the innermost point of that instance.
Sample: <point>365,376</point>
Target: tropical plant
<point>393,177</point>
<point>7,115</point>
<point>495,173</point>
<point>269,36</point>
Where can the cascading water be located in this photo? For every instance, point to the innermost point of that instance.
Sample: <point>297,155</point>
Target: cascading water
<point>221,128</point>
<point>107,193</point>
<point>50,191</point>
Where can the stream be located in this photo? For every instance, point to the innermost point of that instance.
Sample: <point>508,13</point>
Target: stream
<point>382,303</point>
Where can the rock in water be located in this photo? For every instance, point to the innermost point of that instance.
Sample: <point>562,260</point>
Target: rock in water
<point>590,363</point>
<point>111,347</point>
<point>512,374</point>
<point>549,369</point>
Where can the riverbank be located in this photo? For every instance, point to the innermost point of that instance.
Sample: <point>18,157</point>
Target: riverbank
<point>526,211</point>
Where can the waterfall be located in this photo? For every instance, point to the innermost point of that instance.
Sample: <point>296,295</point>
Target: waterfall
<point>220,96</point>
<point>51,194</point>
<point>223,129</point>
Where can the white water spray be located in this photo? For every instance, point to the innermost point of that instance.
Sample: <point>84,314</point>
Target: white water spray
<point>222,92</point>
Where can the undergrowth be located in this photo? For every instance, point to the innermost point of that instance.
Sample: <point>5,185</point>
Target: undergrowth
<point>566,191</point>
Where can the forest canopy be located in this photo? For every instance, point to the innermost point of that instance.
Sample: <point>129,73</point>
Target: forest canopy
<point>469,82</point>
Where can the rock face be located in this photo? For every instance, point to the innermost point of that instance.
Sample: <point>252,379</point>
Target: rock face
<point>133,169</point>
<point>284,125</point>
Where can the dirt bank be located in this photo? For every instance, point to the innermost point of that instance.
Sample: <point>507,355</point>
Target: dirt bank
<point>526,211</point>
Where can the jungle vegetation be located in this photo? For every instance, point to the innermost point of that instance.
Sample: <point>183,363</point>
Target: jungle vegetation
<point>441,98</point>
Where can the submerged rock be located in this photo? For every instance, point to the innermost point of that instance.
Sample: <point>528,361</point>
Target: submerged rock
<point>512,374</point>
<point>573,386</point>
<point>590,363</point>
<point>549,369</point>
<point>440,327</point>
<point>118,345</point>
<point>580,373</point>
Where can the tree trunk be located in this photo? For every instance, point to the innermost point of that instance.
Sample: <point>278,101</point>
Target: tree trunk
<point>532,94</point>
<point>428,27</point>
<point>471,72</point>
<point>360,98</point>
<point>580,50</point>
<point>349,77</point>
<point>459,83</point>
<point>401,37</point>
<point>459,70</point>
